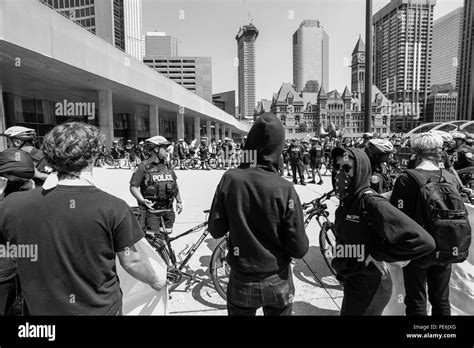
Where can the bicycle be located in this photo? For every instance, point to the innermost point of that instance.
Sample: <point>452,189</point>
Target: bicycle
<point>163,247</point>
<point>327,238</point>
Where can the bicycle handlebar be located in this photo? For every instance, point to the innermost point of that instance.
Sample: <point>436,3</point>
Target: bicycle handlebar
<point>317,201</point>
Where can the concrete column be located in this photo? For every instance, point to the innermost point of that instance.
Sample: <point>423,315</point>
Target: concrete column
<point>132,127</point>
<point>197,128</point>
<point>218,136</point>
<point>223,127</point>
<point>153,113</point>
<point>180,125</point>
<point>3,117</point>
<point>209,131</point>
<point>106,116</point>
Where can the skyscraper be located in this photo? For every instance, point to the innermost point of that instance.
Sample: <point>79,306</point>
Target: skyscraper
<point>403,32</point>
<point>193,73</point>
<point>466,60</point>
<point>446,45</point>
<point>119,22</point>
<point>160,44</point>
<point>246,55</point>
<point>310,57</point>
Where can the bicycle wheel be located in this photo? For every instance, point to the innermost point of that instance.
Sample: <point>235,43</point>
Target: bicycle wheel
<point>213,163</point>
<point>219,268</point>
<point>327,244</point>
<point>175,163</point>
<point>109,160</point>
<point>189,163</point>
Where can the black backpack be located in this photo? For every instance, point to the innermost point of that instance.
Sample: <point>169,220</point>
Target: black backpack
<point>441,211</point>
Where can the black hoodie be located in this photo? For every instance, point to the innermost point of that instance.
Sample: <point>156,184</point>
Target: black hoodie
<point>386,233</point>
<point>261,210</point>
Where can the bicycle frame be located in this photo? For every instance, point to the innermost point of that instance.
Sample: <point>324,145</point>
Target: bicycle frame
<point>168,240</point>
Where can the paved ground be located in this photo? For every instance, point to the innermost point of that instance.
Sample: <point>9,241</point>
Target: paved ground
<point>317,291</point>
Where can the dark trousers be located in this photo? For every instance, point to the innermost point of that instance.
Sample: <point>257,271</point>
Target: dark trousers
<point>436,277</point>
<point>7,295</point>
<point>247,293</point>
<point>366,293</point>
<point>297,166</point>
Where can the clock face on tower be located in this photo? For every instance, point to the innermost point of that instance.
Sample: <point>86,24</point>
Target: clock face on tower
<point>355,60</point>
<point>362,58</point>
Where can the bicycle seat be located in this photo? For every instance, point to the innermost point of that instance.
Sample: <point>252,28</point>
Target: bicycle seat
<point>206,211</point>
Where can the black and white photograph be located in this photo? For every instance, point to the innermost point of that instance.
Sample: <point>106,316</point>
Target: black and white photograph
<point>176,166</point>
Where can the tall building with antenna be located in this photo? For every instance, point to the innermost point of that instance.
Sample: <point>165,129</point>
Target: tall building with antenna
<point>246,38</point>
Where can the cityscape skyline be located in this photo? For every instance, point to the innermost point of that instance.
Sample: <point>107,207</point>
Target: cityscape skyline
<point>184,19</point>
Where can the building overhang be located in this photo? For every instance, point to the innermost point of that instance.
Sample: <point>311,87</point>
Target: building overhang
<point>48,56</point>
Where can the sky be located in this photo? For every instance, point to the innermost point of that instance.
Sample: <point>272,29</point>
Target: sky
<point>208,28</point>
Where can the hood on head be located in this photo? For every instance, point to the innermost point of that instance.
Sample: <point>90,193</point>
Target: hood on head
<point>267,137</point>
<point>362,170</point>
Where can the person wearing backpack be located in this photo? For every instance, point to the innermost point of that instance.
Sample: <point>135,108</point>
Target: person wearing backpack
<point>431,196</point>
<point>366,222</point>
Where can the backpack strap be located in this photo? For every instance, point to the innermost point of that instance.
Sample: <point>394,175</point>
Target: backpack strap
<point>419,179</point>
<point>363,209</point>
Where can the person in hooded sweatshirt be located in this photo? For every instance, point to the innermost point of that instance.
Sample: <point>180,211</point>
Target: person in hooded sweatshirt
<point>368,223</point>
<point>263,215</point>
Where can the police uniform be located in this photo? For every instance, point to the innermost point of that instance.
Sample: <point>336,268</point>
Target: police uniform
<point>157,183</point>
<point>296,161</point>
<point>315,155</point>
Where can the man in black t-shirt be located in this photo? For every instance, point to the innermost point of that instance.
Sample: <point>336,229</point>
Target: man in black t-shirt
<point>73,233</point>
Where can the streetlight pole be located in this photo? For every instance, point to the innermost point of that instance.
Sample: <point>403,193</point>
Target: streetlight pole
<point>368,67</point>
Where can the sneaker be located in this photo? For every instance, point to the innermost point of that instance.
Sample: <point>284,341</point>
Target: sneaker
<point>303,183</point>
<point>312,182</point>
<point>320,182</point>
<point>295,182</point>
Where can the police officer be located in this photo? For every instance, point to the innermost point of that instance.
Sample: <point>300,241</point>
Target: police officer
<point>315,156</point>
<point>296,161</point>
<point>204,154</point>
<point>379,151</point>
<point>22,138</point>
<point>461,152</point>
<point>154,186</point>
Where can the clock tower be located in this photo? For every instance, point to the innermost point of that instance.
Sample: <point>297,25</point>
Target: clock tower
<point>358,68</point>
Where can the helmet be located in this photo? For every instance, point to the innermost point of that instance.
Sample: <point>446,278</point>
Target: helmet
<point>21,133</point>
<point>129,141</point>
<point>141,143</point>
<point>227,139</point>
<point>445,135</point>
<point>367,135</point>
<point>379,147</point>
<point>158,141</point>
<point>314,139</point>
<point>115,141</point>
<point>458,135</point>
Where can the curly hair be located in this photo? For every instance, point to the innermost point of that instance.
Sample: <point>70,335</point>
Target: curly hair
<point>71,147</point>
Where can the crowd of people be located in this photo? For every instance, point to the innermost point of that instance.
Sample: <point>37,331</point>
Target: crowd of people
<point>418,222</point>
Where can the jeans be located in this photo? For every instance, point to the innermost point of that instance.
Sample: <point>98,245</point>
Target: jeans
<point>366,293</point>
<point>416,279</point>
<point>246,293</point>
<point>7,295</point>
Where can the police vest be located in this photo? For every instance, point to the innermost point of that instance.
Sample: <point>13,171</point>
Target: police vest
<point>159,184</point>
<point>296,153</point>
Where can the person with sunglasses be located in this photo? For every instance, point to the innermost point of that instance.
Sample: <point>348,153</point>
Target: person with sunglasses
<point>367,222</point>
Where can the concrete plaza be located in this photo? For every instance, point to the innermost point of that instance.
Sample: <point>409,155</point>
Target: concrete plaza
<point>317,291</point>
